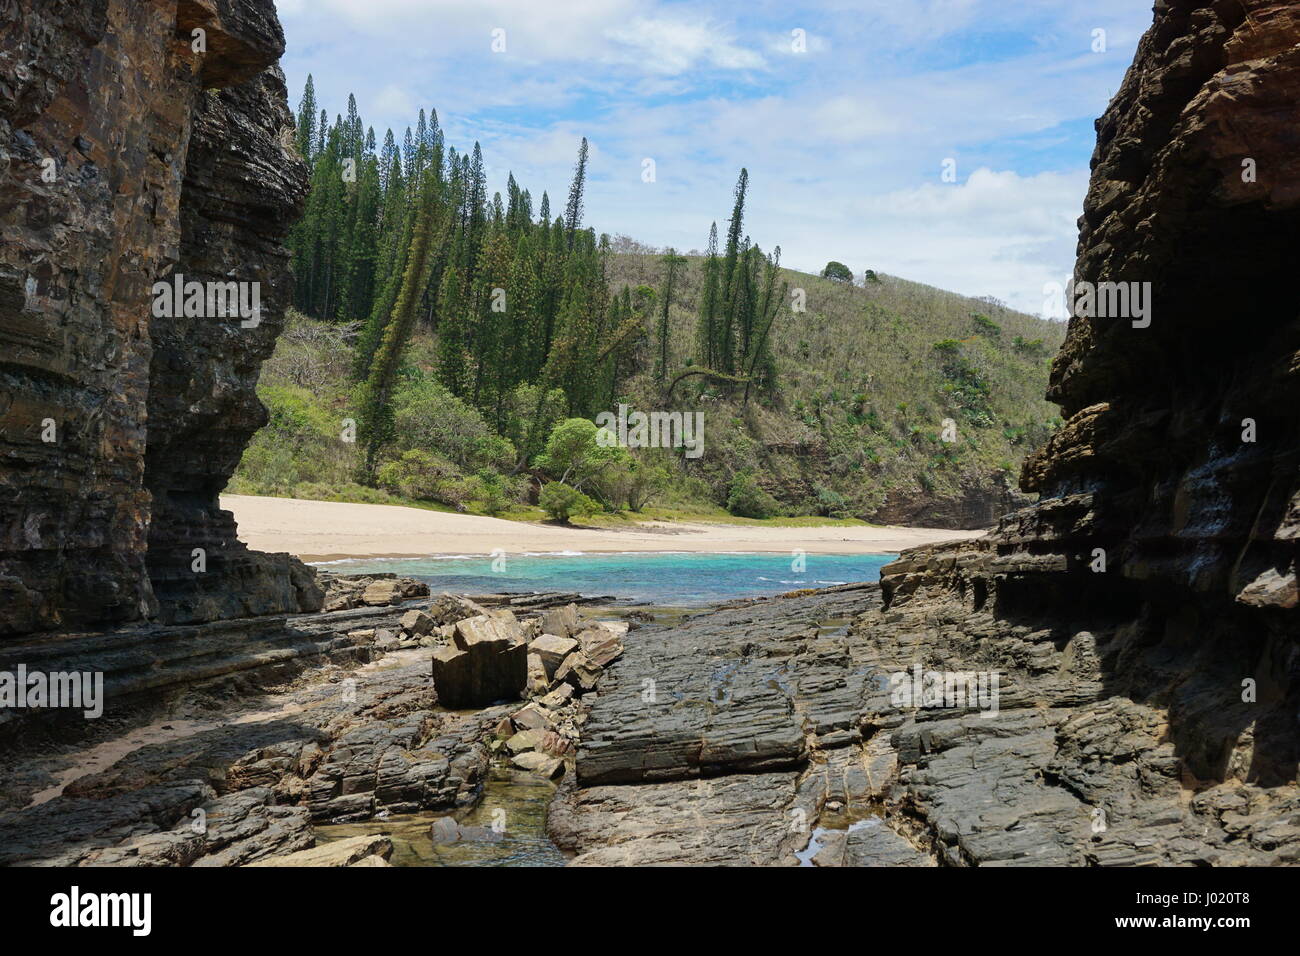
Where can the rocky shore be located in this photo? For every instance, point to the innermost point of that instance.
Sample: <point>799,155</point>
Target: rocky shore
<point>323,718</point>
<point>776,718</point>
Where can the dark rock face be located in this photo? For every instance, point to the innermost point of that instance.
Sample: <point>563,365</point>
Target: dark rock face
<point>244,185</point>
<point>978,506</point>
<point>126,156</point>
<point>1151,464</point>
<point>1171,670</point>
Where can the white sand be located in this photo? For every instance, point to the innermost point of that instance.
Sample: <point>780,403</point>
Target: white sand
<point>327,530</point>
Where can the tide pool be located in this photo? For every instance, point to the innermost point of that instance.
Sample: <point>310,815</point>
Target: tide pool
<point>662,578</point>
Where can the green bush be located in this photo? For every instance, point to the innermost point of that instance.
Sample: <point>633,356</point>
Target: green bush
<point>837,271</point>
<point>562,502</point>
<point>426,476</point>
<point>426,415</point>
<point>747,499</point>
<point>493,494</point>
<point>832,504</point>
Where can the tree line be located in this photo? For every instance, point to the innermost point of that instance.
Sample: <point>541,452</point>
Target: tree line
<point>399,237</point>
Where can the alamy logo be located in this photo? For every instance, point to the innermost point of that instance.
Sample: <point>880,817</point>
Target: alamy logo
<point>1099,300</point>
<point>208,300</point>
<point>653,430</point>
<point>949,689</point>
<point>74,908</point>
<point>36,690</point>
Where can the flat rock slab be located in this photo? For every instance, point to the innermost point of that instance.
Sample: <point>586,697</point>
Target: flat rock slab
<point>353,851</point>
<point>746,819</point>
<point>739,690</point>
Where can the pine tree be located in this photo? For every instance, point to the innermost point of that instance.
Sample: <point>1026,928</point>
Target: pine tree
<point>671,263</point>
<point>707,332</point>
<point>573,211</point>
<point>305,134</point>
<point>733,281</point>
<point>376,405</point>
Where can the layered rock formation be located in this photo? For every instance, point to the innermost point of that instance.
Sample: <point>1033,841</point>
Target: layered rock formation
<point>136,140</point>
<point>1142,617</point>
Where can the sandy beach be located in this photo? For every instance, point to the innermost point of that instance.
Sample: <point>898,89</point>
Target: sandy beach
<point>327,530</point>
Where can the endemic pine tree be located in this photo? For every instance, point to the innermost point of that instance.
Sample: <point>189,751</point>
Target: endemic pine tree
<point>573,211</point>
<point>305,135</point>
<point>672,261</point>
<point>376,405</point>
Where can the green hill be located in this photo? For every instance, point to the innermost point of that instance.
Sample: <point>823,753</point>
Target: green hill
<point>866,377</point>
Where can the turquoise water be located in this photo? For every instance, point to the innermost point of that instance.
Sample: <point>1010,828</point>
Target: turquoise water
<point>664,578</point>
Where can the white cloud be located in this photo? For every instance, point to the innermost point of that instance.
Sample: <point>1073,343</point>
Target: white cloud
<point>394,99</point>
<point>673,46</point>
<point>843,144</point>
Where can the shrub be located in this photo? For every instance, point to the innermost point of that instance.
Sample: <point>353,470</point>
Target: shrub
<point>493,494</point>
<point>573,453</point>
<point>837,272</point>
<point>426,476</point>
<point>986,326</point>
<point>426,415</point>
<point>747,499</point>
<point>562,502</point>
<point>831,504</point>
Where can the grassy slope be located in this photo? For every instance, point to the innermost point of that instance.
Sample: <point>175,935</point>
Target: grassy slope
<point>862,397</point>
<point>858,408</point>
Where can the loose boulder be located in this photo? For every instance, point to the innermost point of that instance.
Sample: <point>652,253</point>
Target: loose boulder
<point>553,650</point>
<point>601,646</point>
<point>486,661</point>
<point>562,621</point>
<point>417,623</point>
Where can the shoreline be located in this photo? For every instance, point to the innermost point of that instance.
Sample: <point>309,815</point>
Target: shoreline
<point>320,531</point>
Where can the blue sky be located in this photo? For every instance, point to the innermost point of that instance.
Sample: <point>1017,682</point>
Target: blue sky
<point>845,140</point>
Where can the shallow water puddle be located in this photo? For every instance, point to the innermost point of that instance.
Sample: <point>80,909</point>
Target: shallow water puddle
<point>515,799</point>
<point>816,842</point>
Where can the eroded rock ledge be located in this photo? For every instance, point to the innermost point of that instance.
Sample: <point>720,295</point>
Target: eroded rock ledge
<point>125,157</point>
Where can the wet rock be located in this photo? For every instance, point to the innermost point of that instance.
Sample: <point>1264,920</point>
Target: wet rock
<point>541,764</point>
<point>868,843</point>
<point>444,830</point>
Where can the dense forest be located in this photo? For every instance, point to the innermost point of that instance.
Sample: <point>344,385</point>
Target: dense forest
<point>471,339</point>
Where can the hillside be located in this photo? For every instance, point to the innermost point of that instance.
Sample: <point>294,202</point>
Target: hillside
<point>854,426</point>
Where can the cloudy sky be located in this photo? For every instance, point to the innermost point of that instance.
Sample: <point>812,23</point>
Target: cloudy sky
<point>844,112</point>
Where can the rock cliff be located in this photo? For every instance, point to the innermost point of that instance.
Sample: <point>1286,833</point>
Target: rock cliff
<point>138,140</point>
<point>1141,618</point>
